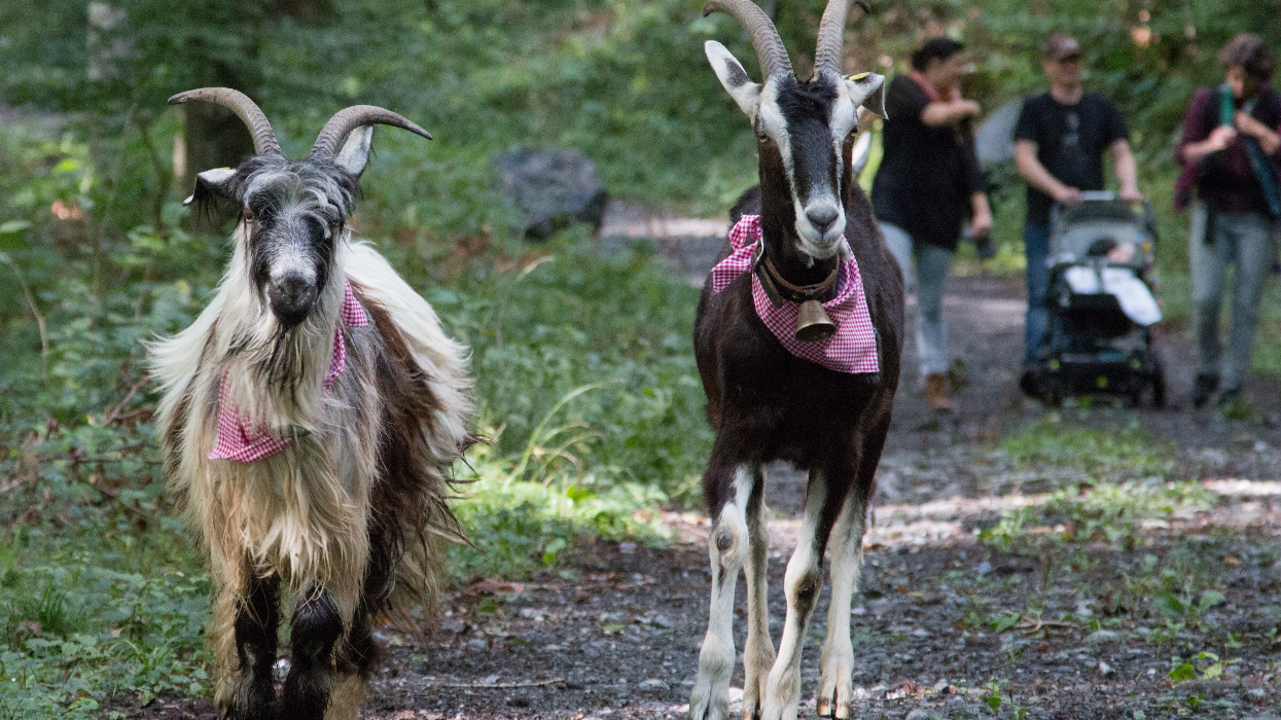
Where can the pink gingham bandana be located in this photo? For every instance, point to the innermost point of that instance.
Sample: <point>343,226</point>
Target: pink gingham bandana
<point>238,440</point>
<point>851,350</point>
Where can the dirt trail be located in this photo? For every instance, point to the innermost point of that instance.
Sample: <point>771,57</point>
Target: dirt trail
<point>616,634</point>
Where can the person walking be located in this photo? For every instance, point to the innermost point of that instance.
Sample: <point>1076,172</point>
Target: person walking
<point>928,180</point>
<point>1059,142</point>
<point>1230,151</point>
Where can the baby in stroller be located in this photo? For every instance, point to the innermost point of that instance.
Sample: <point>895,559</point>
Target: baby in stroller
<point>1100,305</point>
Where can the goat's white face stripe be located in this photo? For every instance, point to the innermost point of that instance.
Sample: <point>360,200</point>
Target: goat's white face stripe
<point>770,119</point>
<point>815,245</point>
<point>844,116</point>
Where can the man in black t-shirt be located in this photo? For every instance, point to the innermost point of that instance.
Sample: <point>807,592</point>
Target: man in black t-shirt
<point>1058,146</point>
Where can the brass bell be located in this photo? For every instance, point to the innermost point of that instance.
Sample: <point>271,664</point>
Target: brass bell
<point>812,322</point>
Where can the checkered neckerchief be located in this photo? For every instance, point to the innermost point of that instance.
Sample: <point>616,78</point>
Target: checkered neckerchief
<point>237,439</point>
<point>851,350</point>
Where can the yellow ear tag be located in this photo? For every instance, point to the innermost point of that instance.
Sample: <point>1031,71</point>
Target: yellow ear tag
<point>856,78</point>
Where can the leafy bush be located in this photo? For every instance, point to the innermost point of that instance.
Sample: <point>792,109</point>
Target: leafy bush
<point>94,610</point>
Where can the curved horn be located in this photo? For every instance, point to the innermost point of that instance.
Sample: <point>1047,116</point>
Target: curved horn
<point>344,121</point>
<point>265,142</point>
<point>831,35</point>
<point>769,46</point>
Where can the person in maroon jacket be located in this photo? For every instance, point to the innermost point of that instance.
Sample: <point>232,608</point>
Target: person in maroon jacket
<point>1230,151</point>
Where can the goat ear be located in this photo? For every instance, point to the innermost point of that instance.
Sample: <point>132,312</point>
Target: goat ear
<point>734,78</point>
<point>212,184</point>
<point>867,90</point>
<point>354,155</point>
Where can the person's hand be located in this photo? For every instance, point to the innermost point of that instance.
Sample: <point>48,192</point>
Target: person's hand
<point>1221,138</point>
<point>981,223</point>
<point>1069,196</point>
<point>1131,194</point>
<point>1249,126</point>
<point>970,108</point>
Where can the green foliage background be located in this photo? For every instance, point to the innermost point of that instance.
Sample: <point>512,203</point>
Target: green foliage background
<point>587,385</point>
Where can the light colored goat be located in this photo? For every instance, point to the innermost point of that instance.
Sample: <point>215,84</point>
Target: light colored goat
<point>310,419</point>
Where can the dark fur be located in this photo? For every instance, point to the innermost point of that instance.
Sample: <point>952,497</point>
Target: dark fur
<point>256,622</point>
<point>315,629</point>
<point>765,403</point>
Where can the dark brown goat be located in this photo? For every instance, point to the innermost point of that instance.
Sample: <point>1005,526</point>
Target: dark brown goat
<point>767,404</point>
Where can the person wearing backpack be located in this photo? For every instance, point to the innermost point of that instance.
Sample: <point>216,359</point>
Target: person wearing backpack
<point>1230,150</point>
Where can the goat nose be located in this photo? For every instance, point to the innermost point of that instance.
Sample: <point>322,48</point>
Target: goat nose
<point>822,217</point>
<point>291,298</point>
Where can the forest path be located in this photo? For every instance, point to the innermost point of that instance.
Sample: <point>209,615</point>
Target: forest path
<point>616,633</point>
<point>944,625</point>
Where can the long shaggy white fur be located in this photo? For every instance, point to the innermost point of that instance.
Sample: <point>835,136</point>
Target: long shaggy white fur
<point>303,512</point>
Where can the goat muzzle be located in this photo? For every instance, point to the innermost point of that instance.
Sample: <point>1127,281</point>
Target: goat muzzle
<point>292,297</point>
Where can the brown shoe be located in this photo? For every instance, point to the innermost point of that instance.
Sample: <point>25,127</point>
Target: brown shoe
<point>937,392</point>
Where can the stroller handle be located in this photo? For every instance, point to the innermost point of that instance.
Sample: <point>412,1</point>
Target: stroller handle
<point>1099,196</point>
<point>1107,196</point>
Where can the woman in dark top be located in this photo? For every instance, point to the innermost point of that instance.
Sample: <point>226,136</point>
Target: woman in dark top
<point>1230,152</point>
<point>929,179</point>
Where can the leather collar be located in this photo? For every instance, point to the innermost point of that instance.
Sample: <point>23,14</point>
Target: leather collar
<point>777,288</point>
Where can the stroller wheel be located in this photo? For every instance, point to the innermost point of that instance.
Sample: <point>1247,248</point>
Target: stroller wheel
<point>1158,382</point>
<point>1158,389</point>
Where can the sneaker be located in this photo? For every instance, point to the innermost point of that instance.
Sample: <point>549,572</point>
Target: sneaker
<point>937,393</point>
<point>1202,388</point>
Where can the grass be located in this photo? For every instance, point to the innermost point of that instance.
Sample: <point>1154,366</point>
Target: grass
<point>588,397</point>
<point>1071,441</point>
<point>1112,481</point>
<point>94,610</point>
<point>1126,534</point>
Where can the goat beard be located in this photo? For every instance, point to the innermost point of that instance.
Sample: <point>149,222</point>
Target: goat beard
<point>277,374</point>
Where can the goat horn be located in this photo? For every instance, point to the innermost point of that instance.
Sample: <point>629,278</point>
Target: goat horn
<point>831,35</point>
<point>265,142</point>
<point>769,46</point>
<point>344,121</point>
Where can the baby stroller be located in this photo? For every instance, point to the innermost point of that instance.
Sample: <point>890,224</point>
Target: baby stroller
<point>1101,308</point>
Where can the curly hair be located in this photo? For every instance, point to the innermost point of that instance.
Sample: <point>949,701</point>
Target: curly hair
<point>1250,52</point>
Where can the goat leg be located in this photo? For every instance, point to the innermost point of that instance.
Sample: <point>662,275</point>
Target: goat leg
<point>758,653</point>
<point>731,487</point>
<point>257,615</point>
<point>802,582</point>
<point>836,661</point>
<point>837,658</point>
<point>315,629</point>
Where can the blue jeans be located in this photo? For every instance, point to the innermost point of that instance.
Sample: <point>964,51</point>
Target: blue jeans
<point>1243,240</point>
<point>931,266</point>
<point>1036,246</point>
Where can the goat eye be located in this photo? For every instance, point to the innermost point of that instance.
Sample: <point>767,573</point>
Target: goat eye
<point>762,137</point>
<point>249,215</point>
